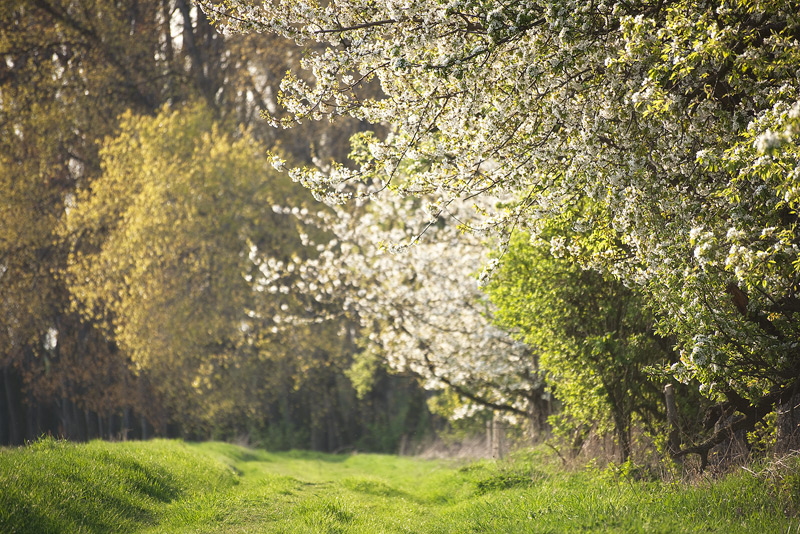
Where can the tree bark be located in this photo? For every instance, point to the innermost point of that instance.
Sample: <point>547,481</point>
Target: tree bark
<point>622,423</point>
<point>673,439</point>
<point>13,421</point>
<point>31,417</point>
<point>190,44</point>
<point>787,425</point>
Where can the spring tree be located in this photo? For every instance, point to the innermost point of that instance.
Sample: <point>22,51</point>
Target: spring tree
<point>57,63</point>
<point>420,310</point>
<point>677,122</point>
<point>68,69</point>
<point>162,248</point>
<point>595,338</point>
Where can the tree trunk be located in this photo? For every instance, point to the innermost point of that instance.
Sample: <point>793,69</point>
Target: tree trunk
<point>191,46</point>
<point>126,410</point>
<point>622,423</point>
<point>13,421</point>
<point>624,443</point>
<point>787,426</point>
<point>32,417</point>
<point>673,439</point>
<point>79,430</point>
<point>87,421</point>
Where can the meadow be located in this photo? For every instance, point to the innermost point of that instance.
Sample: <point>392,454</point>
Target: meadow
<point>166,486</point>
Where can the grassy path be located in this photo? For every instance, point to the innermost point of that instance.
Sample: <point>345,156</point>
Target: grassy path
<point>169,486</point>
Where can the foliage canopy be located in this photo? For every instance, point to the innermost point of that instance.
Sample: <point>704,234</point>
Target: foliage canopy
<point>664,134</point>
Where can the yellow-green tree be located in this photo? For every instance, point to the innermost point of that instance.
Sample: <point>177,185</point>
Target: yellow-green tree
<point>68,70</point>
<point>595,337</point>
<point>163,251</point>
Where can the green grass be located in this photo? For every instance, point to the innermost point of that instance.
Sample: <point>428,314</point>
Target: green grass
<point>171,486</point>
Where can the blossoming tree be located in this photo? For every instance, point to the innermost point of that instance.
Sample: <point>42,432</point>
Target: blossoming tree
<point>664,133</point>
<point>420,311</point>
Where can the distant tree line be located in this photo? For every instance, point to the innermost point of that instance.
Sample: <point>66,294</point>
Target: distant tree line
<point>130,307</point>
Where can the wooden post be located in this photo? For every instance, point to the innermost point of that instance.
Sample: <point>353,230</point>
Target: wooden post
<point>403,445</point>
<point>673,439</point>
<point>497,438</point>
<point>489,440</point>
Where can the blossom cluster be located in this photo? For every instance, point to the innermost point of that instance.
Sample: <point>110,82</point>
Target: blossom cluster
<point>668,136</point>
<point>420,308</point>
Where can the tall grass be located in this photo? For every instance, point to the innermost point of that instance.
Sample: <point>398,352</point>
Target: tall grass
<point>168,486</point>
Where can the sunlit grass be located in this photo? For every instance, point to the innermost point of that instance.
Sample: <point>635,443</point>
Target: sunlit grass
<point>54,486</point>
<point>170,486</point>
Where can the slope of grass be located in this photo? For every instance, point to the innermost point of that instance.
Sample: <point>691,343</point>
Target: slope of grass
<point>169,486</point>
<point>55,486</point>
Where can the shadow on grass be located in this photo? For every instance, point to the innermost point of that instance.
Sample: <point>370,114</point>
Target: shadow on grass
<point>60,490</point>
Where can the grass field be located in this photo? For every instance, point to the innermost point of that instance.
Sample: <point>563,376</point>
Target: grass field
<point>171,486</point>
